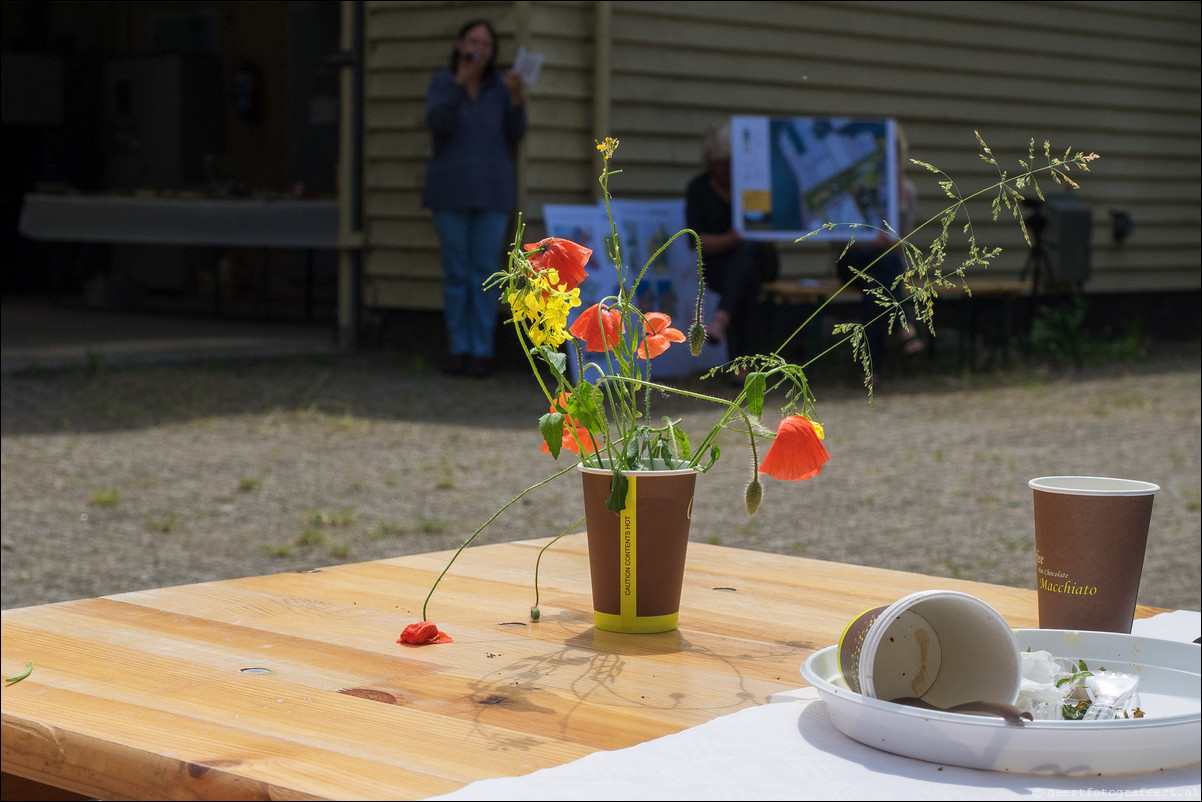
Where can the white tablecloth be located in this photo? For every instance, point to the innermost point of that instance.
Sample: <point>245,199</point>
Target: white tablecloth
<point>790,750</point>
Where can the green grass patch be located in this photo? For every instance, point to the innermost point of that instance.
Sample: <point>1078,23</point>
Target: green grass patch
<point>168,523</point>
<point>332,518</point>
<point>105,497</point>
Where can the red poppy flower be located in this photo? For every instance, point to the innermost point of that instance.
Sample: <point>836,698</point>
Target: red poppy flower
<point>599,326</point>
<point>797,453</point>
<point>421,633</point>
<point>564,257</point>
<point>660,335</point>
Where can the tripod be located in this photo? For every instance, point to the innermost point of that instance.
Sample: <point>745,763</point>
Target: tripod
<point>1037,265</point>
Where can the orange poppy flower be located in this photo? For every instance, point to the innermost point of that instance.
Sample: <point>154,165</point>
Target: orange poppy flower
<point>569,442</point>
<point>599,326</point>
<point>564,257</point>
<point>797,453</point>
<point>421,633</point>
<point>569,423</point>
<point>660,335</point>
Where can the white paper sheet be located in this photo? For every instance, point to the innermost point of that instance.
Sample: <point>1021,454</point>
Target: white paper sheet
<point>529,65</point>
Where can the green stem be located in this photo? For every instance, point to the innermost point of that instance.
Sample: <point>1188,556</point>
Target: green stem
<point>526,349</point>
<point>17,678</point>
<point>732,408</point>
<point>538,561</point>
<point>494,517</point>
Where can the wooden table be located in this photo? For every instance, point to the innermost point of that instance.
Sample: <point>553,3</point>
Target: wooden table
<point>292,686</point>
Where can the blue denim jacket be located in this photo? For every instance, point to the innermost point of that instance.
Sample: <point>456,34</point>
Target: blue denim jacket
<point>471,167</point>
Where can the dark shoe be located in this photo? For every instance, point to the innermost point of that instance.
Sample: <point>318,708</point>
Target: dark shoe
<point>455,364</point>
<point>478,367</point>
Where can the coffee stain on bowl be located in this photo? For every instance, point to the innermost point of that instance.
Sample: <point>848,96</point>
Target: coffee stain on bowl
<point>923,639</point>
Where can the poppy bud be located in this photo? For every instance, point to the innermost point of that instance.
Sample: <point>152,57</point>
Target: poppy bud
<point>754,495</point>
<point>535,614</point>
<point>696,338</point>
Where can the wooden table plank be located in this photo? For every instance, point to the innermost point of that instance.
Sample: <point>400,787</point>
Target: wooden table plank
<point>147,694</point>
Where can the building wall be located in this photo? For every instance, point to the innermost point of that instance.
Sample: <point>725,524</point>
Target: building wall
<point>1117,78</point>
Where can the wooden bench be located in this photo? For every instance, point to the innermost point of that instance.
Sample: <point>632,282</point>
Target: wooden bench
<point>815,292</point>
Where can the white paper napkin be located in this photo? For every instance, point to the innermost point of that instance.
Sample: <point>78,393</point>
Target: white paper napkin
<point>1180,625</point>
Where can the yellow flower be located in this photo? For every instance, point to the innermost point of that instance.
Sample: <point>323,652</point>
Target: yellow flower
<point>544,308</point>
<point>607,147</point>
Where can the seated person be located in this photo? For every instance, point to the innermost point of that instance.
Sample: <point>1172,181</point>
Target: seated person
<point>734,268</point>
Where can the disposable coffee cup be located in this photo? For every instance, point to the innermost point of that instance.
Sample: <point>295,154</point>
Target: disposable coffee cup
<point>941,646</point>
<point>1091,533</point>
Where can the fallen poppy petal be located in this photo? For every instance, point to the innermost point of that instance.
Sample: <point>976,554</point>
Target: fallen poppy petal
<point>423,632</point>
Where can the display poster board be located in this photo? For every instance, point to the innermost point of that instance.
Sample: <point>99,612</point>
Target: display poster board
<point>668,286</point>
<point>790,176</point>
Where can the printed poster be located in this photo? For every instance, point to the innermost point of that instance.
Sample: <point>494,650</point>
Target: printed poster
<point>790,176</point>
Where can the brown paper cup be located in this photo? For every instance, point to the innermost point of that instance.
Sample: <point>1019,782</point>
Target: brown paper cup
<point>637,557</point>
<point>942,646</point>
<point>1090,536</point>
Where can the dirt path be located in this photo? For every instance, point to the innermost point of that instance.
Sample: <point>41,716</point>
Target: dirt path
<point>124,479</point>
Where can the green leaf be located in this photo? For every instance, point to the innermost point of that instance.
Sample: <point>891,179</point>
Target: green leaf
<point>715,452</point>
<point>638,443</point>
<point>584,405</point>
<point>680,438</point>
<point>754,386</point>
<point>617,493</point>
<point>1074,712</point>
<point>557,360</point>
<point>551,425</point>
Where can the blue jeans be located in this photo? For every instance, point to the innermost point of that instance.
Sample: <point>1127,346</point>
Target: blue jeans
<point>471,243</point>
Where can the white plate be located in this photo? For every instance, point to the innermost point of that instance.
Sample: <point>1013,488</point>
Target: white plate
<point>1169,735</point>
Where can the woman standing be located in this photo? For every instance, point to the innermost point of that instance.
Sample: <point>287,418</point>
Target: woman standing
<point>476,118</point>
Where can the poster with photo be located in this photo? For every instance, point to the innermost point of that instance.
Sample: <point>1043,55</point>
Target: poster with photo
<point>790,176</point>
<point>669,285</point>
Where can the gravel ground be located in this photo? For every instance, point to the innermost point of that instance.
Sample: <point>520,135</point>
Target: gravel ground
<point>117,479</point>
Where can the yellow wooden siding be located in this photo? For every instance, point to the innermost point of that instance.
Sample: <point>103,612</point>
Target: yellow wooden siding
<point>1119,78</point>
<point>406,43</point>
